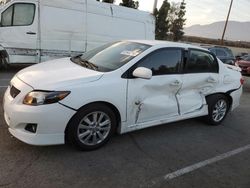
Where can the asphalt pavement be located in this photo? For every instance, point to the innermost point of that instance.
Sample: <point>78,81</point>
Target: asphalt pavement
<point>177,155</point>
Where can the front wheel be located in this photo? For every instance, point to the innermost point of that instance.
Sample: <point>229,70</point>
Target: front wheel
<point>218,107</point>
<point>91,127</point>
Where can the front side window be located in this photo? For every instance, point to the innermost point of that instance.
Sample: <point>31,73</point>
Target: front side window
<point>200,62</point>
<point>163,61</point>
<point>19,14</point>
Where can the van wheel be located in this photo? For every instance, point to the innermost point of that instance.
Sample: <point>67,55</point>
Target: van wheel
<point>218,107</point>
<point>91,127</point>
<point>3,64</point>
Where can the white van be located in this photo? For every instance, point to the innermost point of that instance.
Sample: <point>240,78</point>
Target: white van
<point>33,31</point>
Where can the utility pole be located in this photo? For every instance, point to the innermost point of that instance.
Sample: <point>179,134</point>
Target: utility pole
<point>155,5</point>
<point>225,28</point>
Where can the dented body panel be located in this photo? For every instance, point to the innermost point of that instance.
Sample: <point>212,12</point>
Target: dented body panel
<point>194,89</point>
<point>153,99</point>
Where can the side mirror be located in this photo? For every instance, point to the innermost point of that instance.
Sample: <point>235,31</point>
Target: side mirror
<point>142,72</point>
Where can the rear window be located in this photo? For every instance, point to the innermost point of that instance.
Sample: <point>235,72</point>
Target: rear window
<point>220,52</point>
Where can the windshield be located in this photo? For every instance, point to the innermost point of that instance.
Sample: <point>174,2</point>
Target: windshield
<point>111,56</point>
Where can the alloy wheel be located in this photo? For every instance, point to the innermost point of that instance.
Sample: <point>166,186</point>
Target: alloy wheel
<point>94,128</point>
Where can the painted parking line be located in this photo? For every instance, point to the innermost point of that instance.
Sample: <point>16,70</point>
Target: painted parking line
<point>198,165</point>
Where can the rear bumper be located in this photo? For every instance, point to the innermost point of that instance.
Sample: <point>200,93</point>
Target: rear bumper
<point>236,95</point>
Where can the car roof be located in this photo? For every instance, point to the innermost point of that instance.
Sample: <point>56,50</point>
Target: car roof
<point>160,43</point>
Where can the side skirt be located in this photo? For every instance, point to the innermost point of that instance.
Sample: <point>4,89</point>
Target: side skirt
<point>129,128</point>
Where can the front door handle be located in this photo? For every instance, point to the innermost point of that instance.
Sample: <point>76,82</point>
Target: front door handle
<point>31,33</point>
<point>176,83</point>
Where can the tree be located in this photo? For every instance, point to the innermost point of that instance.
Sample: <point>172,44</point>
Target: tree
<point>177,20</point>
<point>170,20</point>
<point>107,1</point>
<point>130,3</point>
<point>162,22</point>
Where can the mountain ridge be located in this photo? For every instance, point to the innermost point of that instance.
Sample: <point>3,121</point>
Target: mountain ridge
<point>236,31</point>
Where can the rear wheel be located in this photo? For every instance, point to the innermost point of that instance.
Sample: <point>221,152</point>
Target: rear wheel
<point>91,127</point>
<point>218,106</point>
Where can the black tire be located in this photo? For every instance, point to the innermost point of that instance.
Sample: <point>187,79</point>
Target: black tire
<point>72,131</point>
<point>212,101</point>
<point>3,64</point>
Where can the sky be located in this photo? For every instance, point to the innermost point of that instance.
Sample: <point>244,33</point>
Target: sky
<point>207,11</point>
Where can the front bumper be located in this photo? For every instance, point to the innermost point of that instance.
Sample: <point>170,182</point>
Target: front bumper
<point>51,119</point>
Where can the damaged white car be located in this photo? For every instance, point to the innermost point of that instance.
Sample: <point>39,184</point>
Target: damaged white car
<point>122,86</point>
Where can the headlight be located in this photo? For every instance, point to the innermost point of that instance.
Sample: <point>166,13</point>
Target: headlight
<point>36,98</point>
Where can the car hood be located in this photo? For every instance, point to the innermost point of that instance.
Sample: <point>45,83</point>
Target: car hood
<point>56,74</point>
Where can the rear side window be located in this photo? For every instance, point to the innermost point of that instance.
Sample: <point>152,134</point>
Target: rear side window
<point>200,62</point>
<point>163,61</point>
<point>19,14</point>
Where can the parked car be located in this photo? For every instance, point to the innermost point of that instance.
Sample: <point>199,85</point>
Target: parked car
<point>121,86</point>
<point>241,56</point>
<point>224,54</point>
<point>244,64</point>
<point>36,31</point>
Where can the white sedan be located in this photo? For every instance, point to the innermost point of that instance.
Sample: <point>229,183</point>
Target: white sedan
<point>119,87</point>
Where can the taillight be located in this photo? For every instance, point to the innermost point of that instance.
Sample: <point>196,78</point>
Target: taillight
<point>242,81</point>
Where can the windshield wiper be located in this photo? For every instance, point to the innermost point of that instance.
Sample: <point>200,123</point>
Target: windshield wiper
<point>92,65</point>
<point>86,63</point>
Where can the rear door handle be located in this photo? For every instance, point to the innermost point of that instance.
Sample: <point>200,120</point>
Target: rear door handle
<point>31,33</point>
<point>211,80</point>
<point>176,83</point>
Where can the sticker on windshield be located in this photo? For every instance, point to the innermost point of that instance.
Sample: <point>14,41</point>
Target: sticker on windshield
<point>131,53</point>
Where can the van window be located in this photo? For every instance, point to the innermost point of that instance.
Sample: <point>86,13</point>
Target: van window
<point>19,14</point>
<point>7,17</point>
